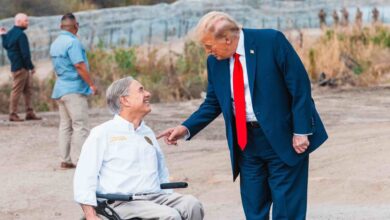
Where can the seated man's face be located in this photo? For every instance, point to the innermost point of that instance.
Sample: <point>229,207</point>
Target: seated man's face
<point>138,99</point>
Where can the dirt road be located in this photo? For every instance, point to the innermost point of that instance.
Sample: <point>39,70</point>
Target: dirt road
<point>349,175</point>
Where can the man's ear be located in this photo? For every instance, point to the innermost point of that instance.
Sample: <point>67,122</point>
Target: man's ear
<point>228,40</point>
<point>123,101</point>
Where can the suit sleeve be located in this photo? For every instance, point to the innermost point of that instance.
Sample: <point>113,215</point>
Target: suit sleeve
<point>25,50</point>
<point>207,112</point>
<point>297,83</point>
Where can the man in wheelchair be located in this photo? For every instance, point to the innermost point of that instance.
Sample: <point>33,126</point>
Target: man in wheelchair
<point>122,156</point>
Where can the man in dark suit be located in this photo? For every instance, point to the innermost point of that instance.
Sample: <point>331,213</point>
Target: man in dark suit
<point>259,84</point>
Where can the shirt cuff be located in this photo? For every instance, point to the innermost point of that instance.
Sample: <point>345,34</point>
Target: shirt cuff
<point>86,198</point>
<point>188,135</point>
<point>303,134</point>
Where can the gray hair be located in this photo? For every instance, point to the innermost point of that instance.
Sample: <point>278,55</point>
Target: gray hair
<point>217,23</point>
<point>116,90</point>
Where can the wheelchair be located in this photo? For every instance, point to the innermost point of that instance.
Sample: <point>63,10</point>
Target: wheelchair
<point>105,210</point>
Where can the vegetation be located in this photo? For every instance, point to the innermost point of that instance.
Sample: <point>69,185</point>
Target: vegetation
<point>168,76</point>
<point>44,7</point>
<point>358,56</point>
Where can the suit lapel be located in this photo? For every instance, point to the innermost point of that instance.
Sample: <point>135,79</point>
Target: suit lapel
<point>250,55</point>
<point>225,80</point>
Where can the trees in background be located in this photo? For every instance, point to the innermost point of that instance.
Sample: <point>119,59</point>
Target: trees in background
<point>43,7</point>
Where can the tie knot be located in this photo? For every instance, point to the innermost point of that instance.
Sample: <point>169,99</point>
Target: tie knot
<point>236,56</point>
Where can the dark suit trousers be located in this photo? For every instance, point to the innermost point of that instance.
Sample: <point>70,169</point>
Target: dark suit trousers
<point>265,180</point>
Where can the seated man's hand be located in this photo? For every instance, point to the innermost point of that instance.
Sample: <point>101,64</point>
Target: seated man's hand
<point>89,212</point>
<point>171,135</point>
<point>93,218</point>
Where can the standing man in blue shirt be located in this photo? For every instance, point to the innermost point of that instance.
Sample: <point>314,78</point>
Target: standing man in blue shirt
<point>71,89</point>
<point>22,68</point>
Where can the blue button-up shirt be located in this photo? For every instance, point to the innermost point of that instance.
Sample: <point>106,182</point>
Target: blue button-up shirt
<point>65,52</point>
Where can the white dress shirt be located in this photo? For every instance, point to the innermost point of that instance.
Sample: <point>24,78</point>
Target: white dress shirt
<point>250,115</point>
<point>117,159</point>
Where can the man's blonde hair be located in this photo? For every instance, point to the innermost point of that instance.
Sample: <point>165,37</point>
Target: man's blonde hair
<point>217,23</point>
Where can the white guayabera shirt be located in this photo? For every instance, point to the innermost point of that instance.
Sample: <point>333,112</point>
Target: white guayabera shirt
<point>117,159</point>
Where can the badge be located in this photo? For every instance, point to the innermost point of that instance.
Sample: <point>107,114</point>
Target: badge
<point>148,140</point>
<point>118,138</point>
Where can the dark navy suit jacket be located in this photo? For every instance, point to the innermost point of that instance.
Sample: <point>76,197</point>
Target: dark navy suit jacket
<point>18,50</point>
<point>280,91</point>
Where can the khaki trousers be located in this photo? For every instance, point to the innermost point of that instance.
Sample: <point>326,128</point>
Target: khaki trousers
<point>73,130</point>
<point>161,207</point>
<point>21,84</point>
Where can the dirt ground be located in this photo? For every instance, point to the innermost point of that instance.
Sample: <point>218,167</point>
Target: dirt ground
<point>349,174</point>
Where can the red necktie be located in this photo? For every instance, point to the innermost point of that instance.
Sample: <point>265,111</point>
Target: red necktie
<point>239,102</point>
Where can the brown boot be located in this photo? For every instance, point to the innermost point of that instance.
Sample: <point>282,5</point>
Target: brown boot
<point>65,165</point>
<point>14,117</point>
<point>30,115</point>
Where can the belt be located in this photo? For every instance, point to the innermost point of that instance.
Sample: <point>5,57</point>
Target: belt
<point>253,124</point>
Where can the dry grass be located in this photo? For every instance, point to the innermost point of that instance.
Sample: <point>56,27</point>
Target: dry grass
<point>170,77</point>
<point>359,57</point>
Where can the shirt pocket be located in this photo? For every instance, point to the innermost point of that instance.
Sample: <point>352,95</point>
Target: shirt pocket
<point>123,154</point>
<point>150,160</point>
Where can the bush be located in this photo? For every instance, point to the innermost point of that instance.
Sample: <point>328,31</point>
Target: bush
<point>350,56</point>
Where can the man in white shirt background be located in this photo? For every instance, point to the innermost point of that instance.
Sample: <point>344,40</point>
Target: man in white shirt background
<point>122,156</point>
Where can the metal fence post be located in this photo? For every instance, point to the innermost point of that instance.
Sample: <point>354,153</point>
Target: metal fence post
<point>130,37</point>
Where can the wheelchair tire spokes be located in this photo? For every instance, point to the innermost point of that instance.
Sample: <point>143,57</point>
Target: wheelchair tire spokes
<point>106,211</point>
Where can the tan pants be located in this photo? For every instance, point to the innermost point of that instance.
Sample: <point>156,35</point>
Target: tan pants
<point>73,130</point>
<point>21,84</point>
<point>162,207</point>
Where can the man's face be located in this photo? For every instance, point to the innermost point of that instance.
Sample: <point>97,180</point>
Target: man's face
<point>222,48</point>
<point>138,99</point>
<point>76,26</point>
<point>24,22</point>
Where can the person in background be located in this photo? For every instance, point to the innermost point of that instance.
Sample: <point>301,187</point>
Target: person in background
<point>16,44</point>
<point>322,17</point>
<point>72,86</point>
<point>336,18</point>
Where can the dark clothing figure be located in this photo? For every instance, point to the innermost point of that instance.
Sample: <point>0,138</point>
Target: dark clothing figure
<point>375,15</point>
<point>335,18</point>
<point>18,50</point>
<point>359,18</point>
<point>345,18</point>
<point>322,17</point>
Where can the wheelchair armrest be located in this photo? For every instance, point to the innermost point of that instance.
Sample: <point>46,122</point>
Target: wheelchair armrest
<point>174,185</point>
<point>118,197</point>
<point>111,214</point>
<point>115,197</point>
